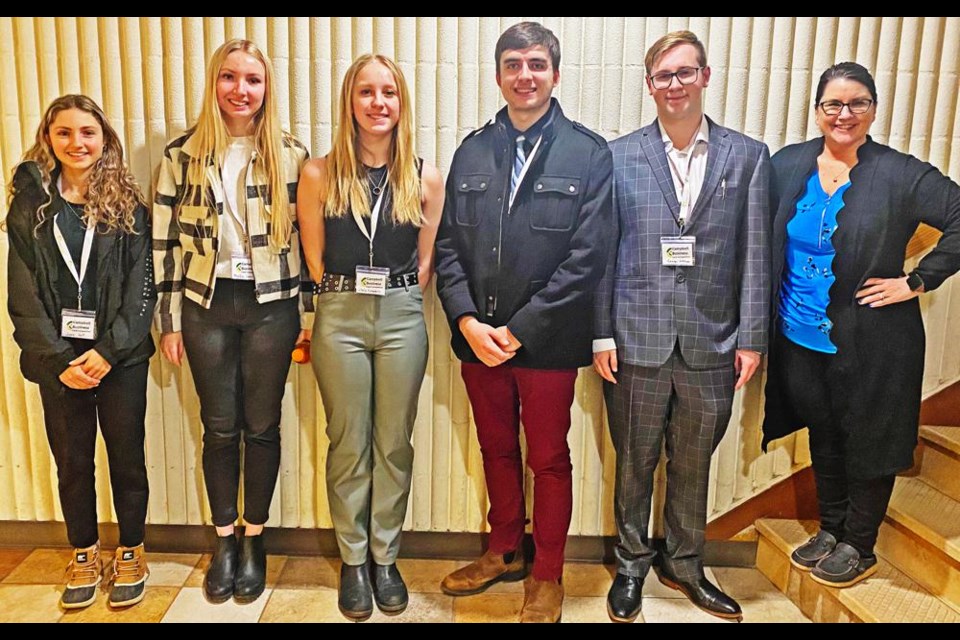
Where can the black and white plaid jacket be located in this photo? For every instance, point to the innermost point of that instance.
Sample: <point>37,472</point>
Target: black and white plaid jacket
<point>185,235</point>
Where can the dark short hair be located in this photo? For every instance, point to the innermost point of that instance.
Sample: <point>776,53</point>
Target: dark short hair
<point>524,35</point>
<point>846,71</point>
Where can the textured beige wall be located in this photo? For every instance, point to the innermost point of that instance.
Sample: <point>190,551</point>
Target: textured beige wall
<point>148,73</point>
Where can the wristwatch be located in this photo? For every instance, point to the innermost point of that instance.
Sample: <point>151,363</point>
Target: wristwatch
<point>914,281</point>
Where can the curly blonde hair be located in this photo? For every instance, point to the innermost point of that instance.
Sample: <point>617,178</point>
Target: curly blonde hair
<point>113,194</point>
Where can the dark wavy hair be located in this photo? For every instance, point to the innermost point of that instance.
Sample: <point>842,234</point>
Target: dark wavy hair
<point>846,71</point>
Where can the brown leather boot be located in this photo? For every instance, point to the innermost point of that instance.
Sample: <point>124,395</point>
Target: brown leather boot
<point>478,576</point>
<point>129,576</point>
<point>542,600</point>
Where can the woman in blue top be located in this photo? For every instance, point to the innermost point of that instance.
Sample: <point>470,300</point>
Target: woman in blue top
<point>848,346</point>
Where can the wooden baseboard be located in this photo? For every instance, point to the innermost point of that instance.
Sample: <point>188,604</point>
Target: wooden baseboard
<point>943,408</point>
<point>321,542</point>
<point>795,498</point>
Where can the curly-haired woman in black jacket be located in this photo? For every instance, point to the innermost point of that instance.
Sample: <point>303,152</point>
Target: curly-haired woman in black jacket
<point>81,297</point>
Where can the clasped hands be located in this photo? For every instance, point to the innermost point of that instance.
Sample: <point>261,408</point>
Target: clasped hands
<point>85,371</point>
<point>492,345</point>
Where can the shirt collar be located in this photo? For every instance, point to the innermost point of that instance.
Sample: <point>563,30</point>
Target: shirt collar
<point>533,131</point>
<point>703,135</point>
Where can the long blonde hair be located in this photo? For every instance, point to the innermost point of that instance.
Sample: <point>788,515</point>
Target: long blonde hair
<point>210,132</point>
<point>113,194</point>
<point>346,188</point>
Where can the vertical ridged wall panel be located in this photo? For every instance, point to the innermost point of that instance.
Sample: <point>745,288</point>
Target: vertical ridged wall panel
<point>148,74</point>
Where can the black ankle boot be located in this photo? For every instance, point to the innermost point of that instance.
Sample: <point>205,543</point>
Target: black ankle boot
<point>251,578</point>
<point>218,583</point>
<point>356,593</point>
<point>389,590</point>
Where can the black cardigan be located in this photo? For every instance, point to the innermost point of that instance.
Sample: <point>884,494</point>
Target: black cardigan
<point>880,351</point>
<point>125,288</point>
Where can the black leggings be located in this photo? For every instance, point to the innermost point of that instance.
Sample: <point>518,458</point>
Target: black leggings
<point>851,509</point>
<point>70,417</point>
<point>239,354</point>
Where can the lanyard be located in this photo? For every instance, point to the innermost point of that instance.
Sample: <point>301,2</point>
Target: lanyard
<point>374,221</point>
<point>523,171</point>
<point>67,258</point>
<point>684,180</point>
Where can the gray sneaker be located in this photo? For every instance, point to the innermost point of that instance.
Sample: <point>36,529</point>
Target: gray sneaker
<point>844,567</point>
<point>806,556</point>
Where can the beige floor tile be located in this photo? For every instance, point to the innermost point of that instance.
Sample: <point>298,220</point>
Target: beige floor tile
<point>191,606</point>
<point>302,605</point>
<point>30,603</point>
<point>487,607</point>
<point>423,607</point>
<point>275,566</point>
<point>42,566</point>
<point>310,573</point>
<point>746,584</point>
<point>769,610</point>
<point>10,559</point>
<point>171,569</point>
<point>584,609</point>
<point>581,579</point>
<point>424,576</point>
<point>152,608</point>
<point>673,610</point>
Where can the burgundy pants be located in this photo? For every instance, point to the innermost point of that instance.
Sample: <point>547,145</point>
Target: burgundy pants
<point>503,397</point>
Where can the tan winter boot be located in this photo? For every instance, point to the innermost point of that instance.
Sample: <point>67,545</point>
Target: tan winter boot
<point>129,578</point>
<point>83,577</point>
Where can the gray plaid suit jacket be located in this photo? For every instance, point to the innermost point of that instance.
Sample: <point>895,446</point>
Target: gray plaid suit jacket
<point>715,307</point>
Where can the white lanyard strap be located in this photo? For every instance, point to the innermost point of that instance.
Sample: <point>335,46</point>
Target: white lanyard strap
<point>68,259</point>
<point>684,179</point>
<point>374,221</point>
<point>523,171</point>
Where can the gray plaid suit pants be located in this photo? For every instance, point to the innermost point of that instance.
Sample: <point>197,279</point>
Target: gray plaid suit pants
<point>692,409</point>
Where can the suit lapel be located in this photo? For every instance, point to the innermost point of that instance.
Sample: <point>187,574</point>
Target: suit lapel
<point>652,145</point>
<point>716,162</point>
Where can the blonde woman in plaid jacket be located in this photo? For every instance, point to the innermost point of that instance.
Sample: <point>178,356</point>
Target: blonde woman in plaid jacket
<point>228,271</point>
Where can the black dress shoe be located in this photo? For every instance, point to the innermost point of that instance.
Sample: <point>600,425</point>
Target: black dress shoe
<point>218,583</point>
<point>704,595</point>
<point>389,590</point>
<point>251,578</point>
<point>356,593</point>
<point>624,599</point>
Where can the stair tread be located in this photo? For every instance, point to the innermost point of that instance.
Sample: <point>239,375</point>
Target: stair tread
<point>946,437</point>
<point>887,596</point>
<point>930,514</point>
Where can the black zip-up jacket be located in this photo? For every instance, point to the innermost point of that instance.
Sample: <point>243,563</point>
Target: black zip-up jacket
<point>126,294</point>
<point>532,267</point>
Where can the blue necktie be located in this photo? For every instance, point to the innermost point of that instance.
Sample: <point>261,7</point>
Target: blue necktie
<point>518,162</point>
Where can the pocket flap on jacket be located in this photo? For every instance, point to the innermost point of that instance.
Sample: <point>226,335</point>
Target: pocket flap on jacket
<point>473,182</point>
<point>557,184</point>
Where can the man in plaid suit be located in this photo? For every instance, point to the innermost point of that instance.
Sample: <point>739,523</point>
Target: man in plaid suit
<point>682,316</point>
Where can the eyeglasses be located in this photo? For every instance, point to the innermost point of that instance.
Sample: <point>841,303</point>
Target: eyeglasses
<point>684,75</point>
<point>834,107</point>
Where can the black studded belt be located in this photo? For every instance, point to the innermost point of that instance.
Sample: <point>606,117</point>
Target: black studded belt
<point>336,283</point>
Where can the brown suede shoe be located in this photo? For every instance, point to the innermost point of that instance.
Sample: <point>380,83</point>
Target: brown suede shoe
<point>484,573</point>
<point>542,600</point>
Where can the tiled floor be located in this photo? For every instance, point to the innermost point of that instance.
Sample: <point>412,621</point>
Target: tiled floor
<point>304,589</point>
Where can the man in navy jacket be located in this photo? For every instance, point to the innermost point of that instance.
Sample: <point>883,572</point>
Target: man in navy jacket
<point>521,247</point>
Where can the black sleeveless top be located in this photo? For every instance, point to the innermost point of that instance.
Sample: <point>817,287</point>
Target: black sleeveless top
<point>394,245</point>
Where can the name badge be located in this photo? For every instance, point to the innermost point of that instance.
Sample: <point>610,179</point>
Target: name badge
<point>78,324</point>
<point>372,281</point>
<point>678,252</point>
<point>241,267</point>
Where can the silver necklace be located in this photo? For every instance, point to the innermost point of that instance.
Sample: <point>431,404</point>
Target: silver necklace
<point>377,189</point>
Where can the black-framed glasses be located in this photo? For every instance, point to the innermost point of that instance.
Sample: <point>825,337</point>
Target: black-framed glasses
<point>858,107</point>
<point>684,75</point>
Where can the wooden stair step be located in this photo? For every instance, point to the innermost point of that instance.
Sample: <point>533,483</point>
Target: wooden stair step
<point>933,516</point>
<point>888,596</point>
<point>946,437</point>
